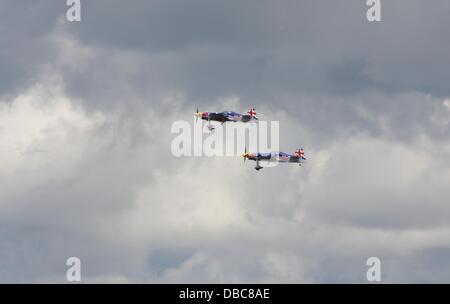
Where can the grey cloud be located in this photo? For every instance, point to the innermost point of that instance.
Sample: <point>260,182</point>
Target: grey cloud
<point>23,29</point>
<point>366,101</point>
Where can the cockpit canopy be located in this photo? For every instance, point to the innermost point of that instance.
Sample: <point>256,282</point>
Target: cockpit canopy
<point>230,113</point>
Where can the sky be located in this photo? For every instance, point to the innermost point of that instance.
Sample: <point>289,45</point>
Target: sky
<point>86,168</point>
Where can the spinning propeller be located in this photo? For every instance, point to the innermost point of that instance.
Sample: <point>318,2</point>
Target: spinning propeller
<point>245,155</point>
<point>196,115</point>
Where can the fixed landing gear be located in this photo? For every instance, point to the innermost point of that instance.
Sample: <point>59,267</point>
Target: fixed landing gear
<point>211,128</point>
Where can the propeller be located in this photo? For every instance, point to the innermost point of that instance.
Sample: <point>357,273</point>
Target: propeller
<point>245,155</point>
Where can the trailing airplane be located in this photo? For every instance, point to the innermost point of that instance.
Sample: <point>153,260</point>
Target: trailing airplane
<point>225,116</point>
<point>280,157</point>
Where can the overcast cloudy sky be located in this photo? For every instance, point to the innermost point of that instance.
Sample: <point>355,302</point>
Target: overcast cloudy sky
<point>86,169</point>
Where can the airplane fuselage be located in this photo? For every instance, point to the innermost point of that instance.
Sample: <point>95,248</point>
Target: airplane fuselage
<point>226,116</point>
<point>276,157</point>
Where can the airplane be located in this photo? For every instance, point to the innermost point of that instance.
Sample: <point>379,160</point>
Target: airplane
<point>281,157</point>
<point>225,116</point>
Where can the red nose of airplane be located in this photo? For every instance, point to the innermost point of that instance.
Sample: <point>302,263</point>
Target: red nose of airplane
<point>201,114</point>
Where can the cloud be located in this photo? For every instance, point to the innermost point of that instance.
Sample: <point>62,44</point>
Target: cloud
<point>37,127</point>
<point>140,203</point>
<point>86,168</point>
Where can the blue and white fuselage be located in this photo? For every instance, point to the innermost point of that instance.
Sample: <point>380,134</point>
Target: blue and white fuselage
<point>225,116</point>
<point>281,157</point>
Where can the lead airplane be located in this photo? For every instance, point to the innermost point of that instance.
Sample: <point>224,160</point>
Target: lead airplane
<point>225,116</point>
<point>281,157</point>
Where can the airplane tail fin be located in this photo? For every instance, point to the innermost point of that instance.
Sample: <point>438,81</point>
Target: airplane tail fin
<point>300,153</point>
<point>252,113</point>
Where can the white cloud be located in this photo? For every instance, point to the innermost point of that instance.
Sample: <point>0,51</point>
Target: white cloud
<point>43,136</point>
<point>228,222</point>
<point>93,176</point>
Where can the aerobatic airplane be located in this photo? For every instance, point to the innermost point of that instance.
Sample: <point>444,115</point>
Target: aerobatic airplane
<point>281,157</point>
<point>226,116</point>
